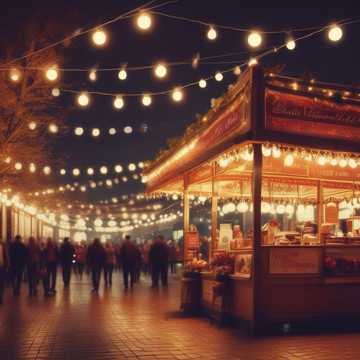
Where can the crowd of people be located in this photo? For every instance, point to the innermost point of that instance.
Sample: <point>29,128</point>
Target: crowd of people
<point>37,262</point>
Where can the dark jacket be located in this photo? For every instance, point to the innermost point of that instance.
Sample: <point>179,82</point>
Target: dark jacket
<point>96,255</point>
<point>159,253</point>
<point>129,255</point>
<point>18,255</point>
<point>51,253</point>
<point>66,254</point>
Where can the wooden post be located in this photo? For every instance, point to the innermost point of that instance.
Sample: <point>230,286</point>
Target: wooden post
<point>186,216</point>
<point>214,211</point>
<point>319,208</point>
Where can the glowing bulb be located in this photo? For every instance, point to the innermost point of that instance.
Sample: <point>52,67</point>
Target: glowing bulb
<point>252,62</point>
<point>266,150</point>
<point>8,160</point>
<point>93,75</point>
<point>122,75</point>
<point>146,100</point>
<point>18,166</point>
<point>118,169</point>
<point>128,129</point>
<point>104,170</point>
<point>289,159</point>
<point>132,167</point>
<point>95,132</point>
<point>211,33</point>
<point>202,83</point>
<point>276,152</point>
<point>237,70</point>
<point>47,170</point>
<point>90,171</point>
<point>79,131</point>
<point>280,209</point>
<point>160,70</point>
<point>76,172</point>
<point>144,21</point>
<point>242,207</point>
<point>343,162</point>
<point>112,131</point>
<point>322,160</point>
<point>15,75</point>
<point>118,103</point>
<point>32,125</point>
<point>290,44</point>
<point>352,163</point>
<point>53,128</point>
<point>62,172</point>
<point>289,209</point>
<point>32,167</point>
<point>55,92</point>
<point>177,95</point>
<point>98,222</point>
<point>254,39</point>
<point>99,37</point>
<point>219,76</point>
<point>52,73</point>
<point>265,207</point>
<point>83,99</point>
<point>335,33</point>
<point>223,163</point>
<point>333,161</point>
<point>141,165</point>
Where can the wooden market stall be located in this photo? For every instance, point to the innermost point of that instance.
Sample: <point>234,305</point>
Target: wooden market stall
<point>278,161</point>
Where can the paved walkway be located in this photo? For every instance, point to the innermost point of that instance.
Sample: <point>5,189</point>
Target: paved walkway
<point>143,324</point>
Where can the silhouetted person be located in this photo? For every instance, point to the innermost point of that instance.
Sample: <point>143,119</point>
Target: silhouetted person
<point>3,269</point>
<point>33,264</point>
<point>80,257</point>
<point>66,259</point>
<point>109,263</point>
<point>96,260</point>
<point>129,259</point>
<point>159,258</point>
<point>172,256</point>
<point>51,259</point>
<point>17,255</point>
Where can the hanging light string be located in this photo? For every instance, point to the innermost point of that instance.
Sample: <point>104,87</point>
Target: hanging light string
<point>148,6</point>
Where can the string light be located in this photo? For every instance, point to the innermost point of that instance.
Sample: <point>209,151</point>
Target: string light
<point>128,129</point>
<point>219,76</point>
<point>62,172</point>
<point>32,125</point>
<point>18,166</point>
<point>122,75</point>
<point>103,170</point>
<point>160,70</point>
<point>202,84</point>
<point>254,39</point>
<point>252,62</point>
<point>47,170</point>
<point>55,92</point>
<point>53,128</point>
<point>291,44</point>
<point>15,75</point>
<point>132,167</point>
<point>289,159</point>
<point>90,171</point>
<point>99,37</point>
<point>83,99</point>
<point>237,70</point>
<point>95,132</point>
<point>93,75</point>
<point>76,172</point>
<point>79,131</point>
<point>112,131</point>
<point>52,73</point>
<point>211,33</point>
<point>335,33</point>
<point>118,169</point>
<point>177,95</point>
<point>141,165</point>
<point>144,21</point>
<point>32,167</point>
<point>118,102</point>
<point>146,100</point>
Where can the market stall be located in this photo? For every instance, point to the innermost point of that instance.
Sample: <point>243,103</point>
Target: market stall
<point>278,161</point>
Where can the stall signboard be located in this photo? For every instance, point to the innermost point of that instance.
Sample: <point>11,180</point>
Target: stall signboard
<point>192,240</point>
<point>225,236</point>
<point>310,116</point>
<point>294,261</point>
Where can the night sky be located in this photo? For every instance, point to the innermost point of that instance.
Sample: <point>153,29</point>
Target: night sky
<point>172,40</point>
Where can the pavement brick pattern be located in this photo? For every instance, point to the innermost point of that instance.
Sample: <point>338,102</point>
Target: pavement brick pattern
<point>143,324</point>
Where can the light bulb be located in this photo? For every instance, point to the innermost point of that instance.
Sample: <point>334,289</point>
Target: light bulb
<point>289,159</point>
<point>160,70</point>
<point>132,167</point>
<point>55,92</point>
<point>202,83</point>
<point>290,44</point>
<point>18,166</point>
<point>47,170</point>
<point>76,172</point>
<point>254,39</point>
<point>53,128</point>
<point>177,95</point>
<point>128,129</point>
<point>211,33</point>
<point>276,152</point>
<point>242,207</point>
<point>118,102</point>
<point>32,167</point>
<point>79,131</point>
<point>144,21</point>
<point>90,171</point>
<point>252,62</point>
<point>15,75</point>
<point>62,172</point>
<point>343,162</point>
<point>83,99</point>
<point>52,73</point>
<point>237,70</point>
<point>122,75</point>
<point>219,76</point>
<point>266,150</point>
<point>118,169</point>
<point>32,125</point>
<point>146,100</point>
<point>104,170</point>
<point>95,132</point>
<point>335,33</point>
<point>99,37</point>
<point>322,160</point>
<point>93,75</point>
<point>112,131</point>
<point>352,163</point>
<point>333,161</point>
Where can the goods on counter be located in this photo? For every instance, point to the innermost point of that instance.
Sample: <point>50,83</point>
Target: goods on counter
<point>337,265</point>
<point>269,231</point>
<point>223,264</point>
<point>195,265</point>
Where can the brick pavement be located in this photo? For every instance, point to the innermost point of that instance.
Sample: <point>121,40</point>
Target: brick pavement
<point>144,324</point>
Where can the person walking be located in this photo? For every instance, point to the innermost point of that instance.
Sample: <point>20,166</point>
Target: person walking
<point>172,256</point>
<point>51,259</point>
<point>17,255</point>
<point>110,260</point>
<point>159,258</point>
<point>129,258</point>
<point>66,258</point>
<point>96,257</point>
<point>3,269</point>
<point>80,258</point>
<point>33,263</point>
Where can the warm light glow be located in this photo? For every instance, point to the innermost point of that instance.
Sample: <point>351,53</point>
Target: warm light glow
<point>55,92</point>
<point>32,167</point>
<point>335,33</point>
<point>333,161</point>
<point>52,73</point>
<point>219,76</point>
<point>93,75</point>
<point>99,37</point>
<point>177,95</point>
<point>291,45</point>
<point>322,160</point>
<point>8,160</point>
<point>343,162</point>
<point>47,170</point>
<point>242,207</point>
<point>90,171</point>
<point>146,100</point>
<point>18,166</point>
<point>15,75</point>
<point>112,131</point>
<point>254,39</point>
<point>132,167</point>
<point>118,169</point>
<point>53,128</point>
<point>353,163</point>
<point>266,150</point>
<point>211,33</point>
<point>62,172</point>
<point>98,222</point>
<point>95,132</point>
<point>79,131</point>
<point>104,170</point>
<point>160,70</point>
<point>224,162</point>
<point>118,102</point>
<point>289,159</point>
<point>128,129</point>
<point>83,99</point>
<point>76,172</point>
<point>276,152</point>
<point>144,21</point>
<point>202,83</point>
<point>122,75</point>
<point>252,62</point>
<point>237,70</point>
<point>141,165</point>
<point>32,125</point>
